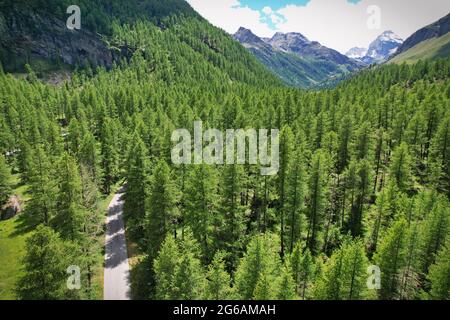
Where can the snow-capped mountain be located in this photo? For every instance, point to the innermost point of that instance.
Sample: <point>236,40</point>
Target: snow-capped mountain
<point>356,53</point>
<point>382,48</point>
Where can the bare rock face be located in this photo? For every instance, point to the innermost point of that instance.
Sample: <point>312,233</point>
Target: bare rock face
<point>12,208</point>
<point>26,35</point>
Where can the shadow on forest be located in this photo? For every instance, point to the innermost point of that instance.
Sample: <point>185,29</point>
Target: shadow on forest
<point>141,280</point>
<point>26,223</point>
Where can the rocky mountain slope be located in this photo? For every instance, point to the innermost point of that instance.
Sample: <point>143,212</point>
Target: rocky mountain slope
<point>434,30</point>
<point>297,60</point>
<point>35,32</point>
<point>430,42</point>
<point>356,53</point>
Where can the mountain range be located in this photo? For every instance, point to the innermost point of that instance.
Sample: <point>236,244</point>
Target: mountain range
<point>298,60</point>
<point>304,63</point>
<point>292,57</point>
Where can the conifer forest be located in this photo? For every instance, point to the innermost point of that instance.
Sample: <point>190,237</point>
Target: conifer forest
<point>359,208</point>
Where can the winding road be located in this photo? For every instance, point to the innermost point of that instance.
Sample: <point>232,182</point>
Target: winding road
<point>117,269</point>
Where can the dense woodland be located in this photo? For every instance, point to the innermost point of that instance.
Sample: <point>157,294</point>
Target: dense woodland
<point>364,177</point>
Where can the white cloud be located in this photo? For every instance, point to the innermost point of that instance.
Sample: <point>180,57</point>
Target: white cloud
<point>230,15</point>
<point>267,10</point>
<point>342,25</point>
<point>334,23</point>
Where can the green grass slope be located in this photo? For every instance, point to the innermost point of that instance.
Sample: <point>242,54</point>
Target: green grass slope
<point>429,49</point>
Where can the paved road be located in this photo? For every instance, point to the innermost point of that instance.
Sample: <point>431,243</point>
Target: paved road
<point>117,269</point>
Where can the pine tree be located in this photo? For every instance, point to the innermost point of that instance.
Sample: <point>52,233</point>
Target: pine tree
<point>45,265</point>
<point>390,258</point>
<point>409,275</point>
<point>439,275</point>
<point>357,209</point>
<point>109,152</point>
<point>400,167</point>
<point>89,156</point>
<point>69,216</point>
<point>295,199</point>
<point>286,284</point>
<point>25,161</point>
<point>89,244</point>
<point>286,147</point>
<point>189,278</point>
<point>345,274</point>
<point>228,227</point>
<point>136,192</point>
<point>345,137</point>
<point>201,204</point>
<point>318,184</point>
<point>218,280</point>
<point>266,287</point>
<point>43,189</point>
<point>355,271</point>
<point>303,269</point>
<point>165,265</point>
<point>363,141</point>
<point>162,212</point>
<point>262,258</point>
<point>178,272</point>
<point>435,232</point>
<point>386,210</point>
<point>440,155</point>
<point>5,181</point>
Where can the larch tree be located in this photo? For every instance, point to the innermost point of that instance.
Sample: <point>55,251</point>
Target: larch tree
<point>295,199</point>
<point>286,148</point>
<point>303,270</point>
<point>136,191</point>
<point>390,257</point>
<point>286,284</point>
<point>228,226</point>
<point>162,203</point>
<point>44,266</point>
<point>189,277</point>
<point>345,274</point>
<point>218,285</point>
<point>201,204</point>
<point>69,214</point>
<point>164,267</point>
<point>110,155</point>
<point>5,181</point>
<point>400,167</point>
<point>439,275</point>
<point>318,185</point>
<point>435,232</point>
<point>43,188</point>
<point>261,258</point>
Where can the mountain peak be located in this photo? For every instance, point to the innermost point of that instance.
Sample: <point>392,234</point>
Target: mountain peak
<point>389,35</point>
<point>356,52</point>
<point>383,47</point>
<point>244,30</point>
<point>289,42</point>
<point>292,36</point>
<point>245,35</point>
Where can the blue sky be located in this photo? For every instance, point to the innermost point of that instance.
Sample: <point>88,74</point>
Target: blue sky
<point>277,4</point>
<point>338,24</point>
<point>274,4</point>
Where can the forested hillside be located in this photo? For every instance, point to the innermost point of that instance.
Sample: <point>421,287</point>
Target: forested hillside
<point>364,176</point>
